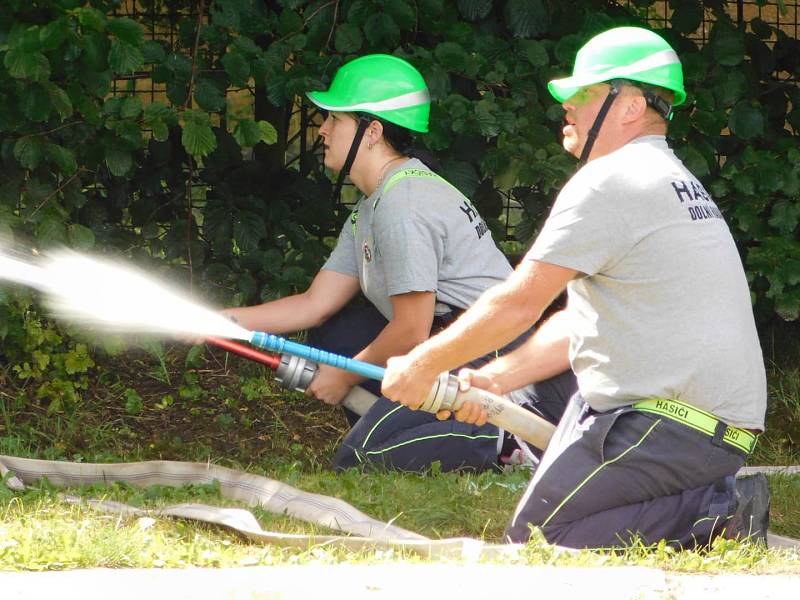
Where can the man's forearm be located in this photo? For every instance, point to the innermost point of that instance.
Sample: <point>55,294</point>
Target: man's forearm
<point>543,355</point>
<point>499,316</point>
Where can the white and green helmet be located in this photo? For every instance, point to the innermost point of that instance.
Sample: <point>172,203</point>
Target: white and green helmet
<point>631,53</point>
<point>382,85</point>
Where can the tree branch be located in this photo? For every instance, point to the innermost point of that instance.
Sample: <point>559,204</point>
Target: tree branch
<point>53,193</point>
<point>190,176</point>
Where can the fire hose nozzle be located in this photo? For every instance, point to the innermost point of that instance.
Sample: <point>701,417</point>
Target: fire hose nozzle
<point>295,373</point>
<point>444,395</point>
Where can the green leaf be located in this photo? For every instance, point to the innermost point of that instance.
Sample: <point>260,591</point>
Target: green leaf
<point>52,35</point>
<point>194,356</point>
<point>80,237</point>
<point>687,16</point>
<point>197,137</point>
<point>130,108</point>
<point>64,159</point>
<point>381,30</point>
<point>695,66</point>
<point>124,58</point>
<point>118,160</point>
<point>269,135</point>
<point>160,130</point>
<point>60,100</point>
<point>208,96</point>
<point>29,151</point>
<point>359,12</point>
<point>730,87</point>
<point>438,80</point>
<point>527,18</point>
<point>126,30</point>
<point>247,133</point>
<point>474,10</point>
<point>157,110</point>
<point>535,52</point>
<point>237,67</point>
<point>289,22</point>
<point>348,39</point>
<point>248,230</point>
<point>761,28</point>
<point>567,47</point>
<point>451,55</point>
<point>246,46</point>
<point>727,45</point>
<point>36,103</point>
<point>129,131</point>
<point>709,122</point>
<point>462,175</point>
<point>91,18</point>
<point>696,162</point>
<point>153,52</point>
<point>27,65</point>
<point>401,13</point>
<point>95,52</point>
<point>485,114</point>
<point>747,120</point>
<point>785,216</point>
<point>51,230</point>
<point>133,402</point>
<point>297,41</point>
<point>743,183</point>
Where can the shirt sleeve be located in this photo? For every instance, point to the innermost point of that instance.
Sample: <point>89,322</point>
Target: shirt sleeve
<point>585,231</point>
<point>343,258</point>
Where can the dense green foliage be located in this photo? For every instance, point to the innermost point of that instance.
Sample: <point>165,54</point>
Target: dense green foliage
<point>196,182</point>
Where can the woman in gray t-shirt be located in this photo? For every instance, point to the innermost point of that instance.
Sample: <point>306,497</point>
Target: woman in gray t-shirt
<point>414,246</point>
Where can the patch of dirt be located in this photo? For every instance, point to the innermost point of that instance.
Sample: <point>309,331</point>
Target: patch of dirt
<point>222,408</point>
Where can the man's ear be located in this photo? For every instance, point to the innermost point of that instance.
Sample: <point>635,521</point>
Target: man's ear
<point>635,108</point>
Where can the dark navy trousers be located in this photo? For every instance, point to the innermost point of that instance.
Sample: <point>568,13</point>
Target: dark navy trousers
<point>609,478</point>
<point>392,436</point>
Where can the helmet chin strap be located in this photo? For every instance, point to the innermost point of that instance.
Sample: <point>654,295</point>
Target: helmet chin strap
<point>363,123</point>
<point>598,121</point>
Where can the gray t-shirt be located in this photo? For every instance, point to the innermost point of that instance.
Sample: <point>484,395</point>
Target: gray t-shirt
<point>422,235</point>
<point>664,308</point>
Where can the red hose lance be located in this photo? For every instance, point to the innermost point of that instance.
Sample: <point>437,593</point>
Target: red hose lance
<point>270,360</point>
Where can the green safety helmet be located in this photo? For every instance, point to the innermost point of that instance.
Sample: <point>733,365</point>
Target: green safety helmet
<point>382,85</point>
<point>631,53</point>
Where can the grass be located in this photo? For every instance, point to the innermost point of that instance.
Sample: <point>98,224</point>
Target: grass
<point>178,407</point>
<point>785,508</point>
<point>40,531</point>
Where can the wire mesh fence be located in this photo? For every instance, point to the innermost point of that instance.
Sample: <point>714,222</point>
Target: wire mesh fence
<point>162,19</point>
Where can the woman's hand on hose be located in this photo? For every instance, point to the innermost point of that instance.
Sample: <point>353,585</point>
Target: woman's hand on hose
<point>330,385</point>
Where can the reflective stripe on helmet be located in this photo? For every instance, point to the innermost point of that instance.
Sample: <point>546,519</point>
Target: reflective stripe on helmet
<point>659,59</point>
<point>404,101</point>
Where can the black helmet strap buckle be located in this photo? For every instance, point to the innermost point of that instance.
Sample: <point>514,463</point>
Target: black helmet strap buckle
<point>363,123</point>
<point>658,104</point>
<point>616,86</point>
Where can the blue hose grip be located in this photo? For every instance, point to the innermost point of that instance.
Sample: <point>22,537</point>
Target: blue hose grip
<point>274,343</point>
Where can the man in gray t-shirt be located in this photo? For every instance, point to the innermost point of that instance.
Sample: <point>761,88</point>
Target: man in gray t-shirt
<point>661,308</point>
<point>658,327</point>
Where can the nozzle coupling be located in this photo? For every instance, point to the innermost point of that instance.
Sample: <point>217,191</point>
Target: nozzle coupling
<point>295,373</point>
<point>443,395</point>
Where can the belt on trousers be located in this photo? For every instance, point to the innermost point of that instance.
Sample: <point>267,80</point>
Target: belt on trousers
<point>701,421</point>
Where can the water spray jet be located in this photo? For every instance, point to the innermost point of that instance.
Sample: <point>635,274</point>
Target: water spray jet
<point>100,293</point>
